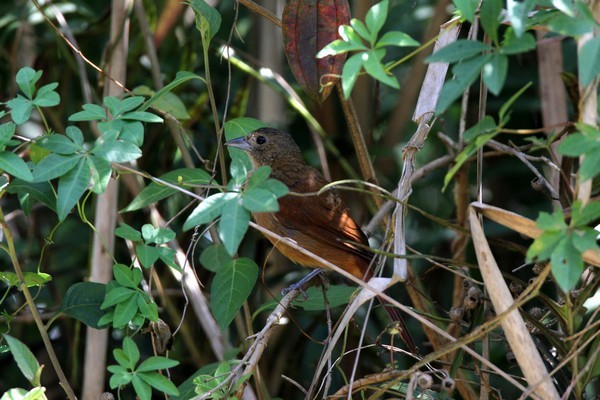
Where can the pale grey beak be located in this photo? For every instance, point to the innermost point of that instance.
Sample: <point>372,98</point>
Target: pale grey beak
<point>239,143</point>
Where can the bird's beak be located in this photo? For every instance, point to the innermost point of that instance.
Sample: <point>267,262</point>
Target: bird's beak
<point>239,143</point>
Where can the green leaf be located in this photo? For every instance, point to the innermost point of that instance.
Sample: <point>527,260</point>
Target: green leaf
<point>120,107</point>
<point>127,232</point>
<point>91,112</point>
<point>489,15</point>
<point>465,74</point>
<point>142,116</point>
<point>233,225</point>
<point>25,359</point>
<point>7,130</point>
<point>75,134</point>
<point>563,244</point>
<point>180,78</point>
<point>159,382</point>
<point>518,14</point>
<point>276,187</point>
<point>209,209</point>
<point>10,278</point>
<point>222,371</point>
<point>567,264</point>
<point>26,79</point>
<point>41,191</point>
<point>513,44</point>
<point>14,165</point>
<point>570,26</point>
<point>33,279</point>
<point>589,61</point>
<point>503,113</point>
<point>582,216</point>
<point>544,245</point>
<point>59,144</point>
<point>566,6</point>
<point>107,319</point>
<point>53,166</point>
<point>360,28</point>
<point>260,200</point>
<point>376,17</point>
<point>157,235</point>
<point>122,359</point>
<point>131,351</point>
<point>351,38</point>
<point>147,308</point>
<point>230,288</point>
<point>116,295</point>
<point>350,72</point>
<point>100,173</point>
<point>116,151</point>
<point>337,295</point>
<point>71,187</point>
<point>112,103</point>
<point>460,50</point>
<point>215,257</point>
<point>494,73</point>
<point>123,274</point>
<point>21,109</point>
<point>485,126</point>
<point>167,255</point>
<point>124,312</point>
<point>136,276</point>
<point>156,363</point>
<point>118,379</point>
<point>239,171</point>
<point>590,166</point>
<point>575,145</point>
<point>82,302</point>
<point>147,254</point>
<point>142,389</point>
<point>467,8</point>
<point>238,127</point>
<point>465,154</point>
<point>372,63</point>
<point>259,175</point>
<point>584,239</point>
<point>586,143</point>
<point>46,96</point>
<point>551,222</point>
<point>184,177</point>
<point>168,103</point>
<point>396,38</point>
<point>208,19</point>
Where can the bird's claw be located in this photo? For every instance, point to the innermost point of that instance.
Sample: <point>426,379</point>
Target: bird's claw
<point>302,283</point>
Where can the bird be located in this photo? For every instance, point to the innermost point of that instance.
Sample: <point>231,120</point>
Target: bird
<point>316,221</point>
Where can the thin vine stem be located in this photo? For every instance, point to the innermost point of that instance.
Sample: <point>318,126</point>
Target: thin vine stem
<point>32,307</point>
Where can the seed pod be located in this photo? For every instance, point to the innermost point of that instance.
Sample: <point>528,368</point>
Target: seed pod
<point>308,26</point>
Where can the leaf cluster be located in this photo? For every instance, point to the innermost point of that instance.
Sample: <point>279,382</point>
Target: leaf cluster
<point>144,376</point>
<point>363,38</point>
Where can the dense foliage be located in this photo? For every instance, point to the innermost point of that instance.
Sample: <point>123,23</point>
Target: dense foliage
<point>472,168</point>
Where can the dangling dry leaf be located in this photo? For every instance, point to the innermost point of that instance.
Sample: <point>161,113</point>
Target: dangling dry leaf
<point>309,25</point>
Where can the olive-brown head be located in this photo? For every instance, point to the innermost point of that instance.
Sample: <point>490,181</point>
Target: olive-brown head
<point>268,146</point>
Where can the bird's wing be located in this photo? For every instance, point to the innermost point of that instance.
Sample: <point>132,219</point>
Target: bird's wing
<point>325,219</point>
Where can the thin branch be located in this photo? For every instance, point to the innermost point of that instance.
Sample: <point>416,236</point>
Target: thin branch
<point>261,11</point>
<point>12,252</point>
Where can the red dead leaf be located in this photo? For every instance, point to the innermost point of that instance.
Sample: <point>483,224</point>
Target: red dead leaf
<point>308,26</point>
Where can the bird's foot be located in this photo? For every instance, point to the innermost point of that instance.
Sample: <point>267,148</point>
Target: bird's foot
<point>300,285</point>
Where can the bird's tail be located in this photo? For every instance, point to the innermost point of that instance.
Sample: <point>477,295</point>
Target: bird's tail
<point>395,316</point>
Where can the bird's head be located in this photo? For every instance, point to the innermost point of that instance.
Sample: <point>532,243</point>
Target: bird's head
<point>266,146</point>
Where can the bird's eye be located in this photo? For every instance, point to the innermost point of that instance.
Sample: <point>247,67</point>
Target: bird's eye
<point>261,139</point>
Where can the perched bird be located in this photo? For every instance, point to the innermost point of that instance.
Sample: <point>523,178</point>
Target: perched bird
<point>319,223</point>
